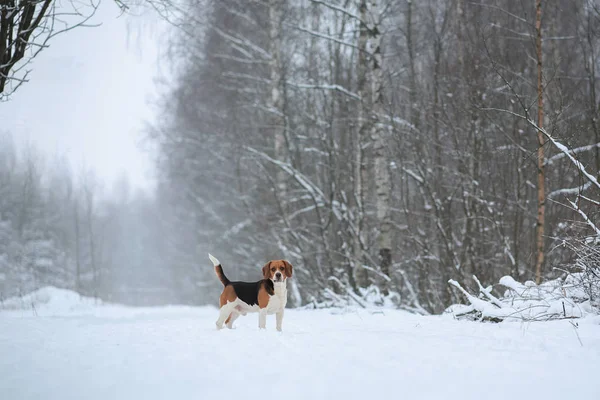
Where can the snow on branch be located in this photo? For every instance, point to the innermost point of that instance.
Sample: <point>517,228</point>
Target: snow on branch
<point>572,151</point>
<point>561,147</point>
<point>414,175</point>
<point>585,217</point>
<point>476,304</point>
<point>595,202</point>
<point>242,42</point>
<point>417,308</point>
<point>565,297</point>
<point>567,191</point>
<point>387,120</point>
<point>315,192</point>
<point>567,153</point>
<point>488,293</point>
<point>239,75</point>
<point>337,88</point>
<point>338,8</point>
<point>323,36</point>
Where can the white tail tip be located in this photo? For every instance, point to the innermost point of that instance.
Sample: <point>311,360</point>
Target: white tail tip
<point>214,260</point>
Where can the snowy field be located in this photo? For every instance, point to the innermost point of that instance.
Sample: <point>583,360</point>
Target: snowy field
<point>69,348</point>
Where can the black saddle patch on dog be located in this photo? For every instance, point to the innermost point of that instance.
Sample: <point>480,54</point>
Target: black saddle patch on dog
<point>248,291</point>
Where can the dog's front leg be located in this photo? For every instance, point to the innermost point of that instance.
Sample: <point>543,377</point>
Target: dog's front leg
<point>262,318</point>
<point>279,319</point>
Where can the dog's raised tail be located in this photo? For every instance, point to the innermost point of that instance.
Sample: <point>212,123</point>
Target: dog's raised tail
<point>219,270</point>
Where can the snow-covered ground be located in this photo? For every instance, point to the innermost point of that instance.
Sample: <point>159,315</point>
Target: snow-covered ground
<point>70,349</point>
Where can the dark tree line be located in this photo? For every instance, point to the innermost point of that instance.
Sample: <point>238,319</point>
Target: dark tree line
<point>382,147</point>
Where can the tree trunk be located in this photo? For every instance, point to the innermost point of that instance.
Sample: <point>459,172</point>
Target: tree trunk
<point>540,153</point>
<point>414,108</point>
<point>277,119</point>
<point>373,98</point>
<point>359,171</point>
<point>89,221</point>
<point>77,249</point>
<point>591,67</point>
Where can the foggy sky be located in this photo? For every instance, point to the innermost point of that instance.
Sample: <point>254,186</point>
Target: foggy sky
<point>90,94</point>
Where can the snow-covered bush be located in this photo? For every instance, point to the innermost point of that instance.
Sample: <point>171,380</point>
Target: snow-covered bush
<point>370,297</point>
<point>572,295</point>
<point>587,265</point>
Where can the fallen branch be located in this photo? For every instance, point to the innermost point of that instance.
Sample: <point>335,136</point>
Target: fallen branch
<point>563,298</point>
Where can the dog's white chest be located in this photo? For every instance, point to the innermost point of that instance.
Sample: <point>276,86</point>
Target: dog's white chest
<point>278,301</point>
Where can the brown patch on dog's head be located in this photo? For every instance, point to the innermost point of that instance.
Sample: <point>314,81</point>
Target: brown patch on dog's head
<point>266,270</point>
<point>289,270</point>
<point>277,270</point>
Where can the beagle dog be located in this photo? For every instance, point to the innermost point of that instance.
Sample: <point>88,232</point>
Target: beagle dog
<point>267,296</point>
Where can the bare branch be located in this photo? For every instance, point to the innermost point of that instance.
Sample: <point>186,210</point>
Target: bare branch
<point>336,88</point>
<point>338,8</point>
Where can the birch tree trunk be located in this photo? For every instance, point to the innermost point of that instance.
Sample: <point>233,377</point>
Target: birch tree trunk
<point>360,274</point>
<point>372,95</point>
<point>414,109</point>
<point>383,184</point>
<point>277,118</point>
<point>541,191</point>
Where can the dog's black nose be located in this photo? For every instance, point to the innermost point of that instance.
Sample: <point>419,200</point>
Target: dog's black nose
<point>278,275</point>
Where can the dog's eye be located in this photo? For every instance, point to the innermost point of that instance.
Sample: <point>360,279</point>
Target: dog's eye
<point>273,269</point>
<point>281,268</point>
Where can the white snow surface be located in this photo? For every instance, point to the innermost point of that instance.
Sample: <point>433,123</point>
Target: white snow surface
<point>67,347</point>
<point>51,301</point>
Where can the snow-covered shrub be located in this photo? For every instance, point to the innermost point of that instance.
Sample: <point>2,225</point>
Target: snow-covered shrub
<point>572,295</point>
<point>370,297</point>
<point>587,265</point>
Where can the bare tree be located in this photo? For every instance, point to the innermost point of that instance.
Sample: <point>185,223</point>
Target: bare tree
<point>374,131</point>
<point>26,28</point>
<point>275,103</point>
<point>89,186</point>
<point>76,224</point>
<point>378,119</point>
<point>541,161</point>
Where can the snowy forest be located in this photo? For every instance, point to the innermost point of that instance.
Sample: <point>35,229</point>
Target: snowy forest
<point>60,227</point>
<point>382,147</point>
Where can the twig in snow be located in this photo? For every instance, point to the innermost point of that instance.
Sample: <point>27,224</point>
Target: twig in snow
<point>575,327</point>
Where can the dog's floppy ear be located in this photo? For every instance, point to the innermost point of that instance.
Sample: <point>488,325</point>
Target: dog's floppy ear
<point>289,270</point>
<point>266,270</point>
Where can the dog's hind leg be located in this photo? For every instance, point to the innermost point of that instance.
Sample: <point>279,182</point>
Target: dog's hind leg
<point>224,312</point>
<point>232,317</point>
<point>241,310</point>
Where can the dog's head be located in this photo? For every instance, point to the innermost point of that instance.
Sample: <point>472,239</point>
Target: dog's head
<point>277,270</point>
